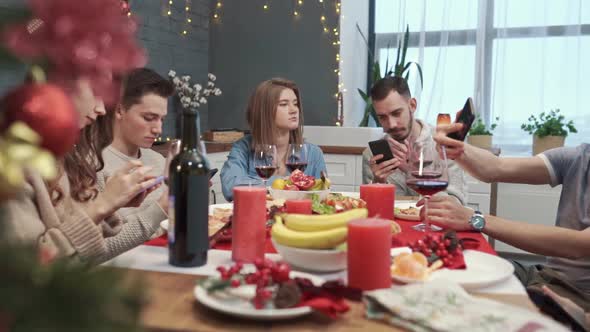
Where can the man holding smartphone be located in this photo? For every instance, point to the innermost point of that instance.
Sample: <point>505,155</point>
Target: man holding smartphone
<point>566,245</point>
<point>395,110</point>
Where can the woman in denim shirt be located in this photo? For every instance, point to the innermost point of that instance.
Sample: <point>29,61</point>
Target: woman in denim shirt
<point>275,116</point>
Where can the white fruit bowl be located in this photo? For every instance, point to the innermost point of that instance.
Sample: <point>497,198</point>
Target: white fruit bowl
<point>317,260</point>
<point>292,194</point>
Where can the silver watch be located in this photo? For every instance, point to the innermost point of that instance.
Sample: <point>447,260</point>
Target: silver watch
<point>477,221</point>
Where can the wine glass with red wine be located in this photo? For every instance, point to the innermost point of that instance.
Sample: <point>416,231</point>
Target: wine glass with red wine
<point>265,160</point>
<point>296,157</point>
<point>426,175</point>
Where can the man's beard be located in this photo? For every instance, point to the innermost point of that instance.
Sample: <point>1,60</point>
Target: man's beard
<point>402,138</point>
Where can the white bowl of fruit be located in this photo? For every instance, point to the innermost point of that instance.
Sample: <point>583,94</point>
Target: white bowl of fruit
<point>314,242</point>
<point>300,186</point>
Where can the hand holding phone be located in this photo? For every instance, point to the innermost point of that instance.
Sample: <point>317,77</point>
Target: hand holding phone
<point>382,168</point>
<point>156,182</point>
<point>466,116</point>
<point>559,308</point>
<point>381,147</point>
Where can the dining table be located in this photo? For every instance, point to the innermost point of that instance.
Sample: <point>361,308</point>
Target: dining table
<point>171,305</point>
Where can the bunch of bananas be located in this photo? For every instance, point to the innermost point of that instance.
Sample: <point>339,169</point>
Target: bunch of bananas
<point>321,184</point>
<point>324,231</point>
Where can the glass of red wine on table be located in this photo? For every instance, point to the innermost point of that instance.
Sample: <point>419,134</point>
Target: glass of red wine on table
<point>296,157</point>
<point>265,161</point>
<point>426,175</point>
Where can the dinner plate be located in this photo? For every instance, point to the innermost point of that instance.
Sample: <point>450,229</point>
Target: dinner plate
<point>244,309</point>
<point>482,270</point>
<point>405,205</point>
<point>212,207</point>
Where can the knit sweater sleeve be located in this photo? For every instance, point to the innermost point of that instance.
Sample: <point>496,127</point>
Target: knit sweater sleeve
<point>61,231</point>
<point>80,231</point>
<point>123,233</point>
<point>136,228</point>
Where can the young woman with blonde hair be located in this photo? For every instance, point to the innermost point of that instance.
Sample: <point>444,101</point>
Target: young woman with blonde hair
<point>275,117</point>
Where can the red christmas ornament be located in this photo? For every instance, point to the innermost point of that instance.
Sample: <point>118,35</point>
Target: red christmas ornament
<point>125,9</point>
<point>47,110</point>
<point>80,39</point>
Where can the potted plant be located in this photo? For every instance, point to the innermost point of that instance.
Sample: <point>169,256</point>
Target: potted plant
<point>480,135</point>
<point>549,130</point>
<point>401,68</point>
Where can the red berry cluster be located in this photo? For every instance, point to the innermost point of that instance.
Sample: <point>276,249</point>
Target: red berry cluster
<point>228,274</point>
<point>267,273</point>
<point>435,247</point>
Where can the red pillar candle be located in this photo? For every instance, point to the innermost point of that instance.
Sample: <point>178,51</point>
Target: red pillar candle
<point>248,223</point>
<point>369,260</point>
<point>301,206</point>
<point>380,199</point>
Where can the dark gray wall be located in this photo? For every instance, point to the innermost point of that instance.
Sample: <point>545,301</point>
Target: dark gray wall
<point>10,76</point>
<point>162,37</point>
<point>249,45</point>
<point>168,48</point>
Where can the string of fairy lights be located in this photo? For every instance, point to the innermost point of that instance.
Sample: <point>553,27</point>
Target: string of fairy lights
<point>332,31</point>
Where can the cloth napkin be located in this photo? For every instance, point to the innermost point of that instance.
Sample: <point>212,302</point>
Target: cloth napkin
<point>441,305</point>
<point>162,241</point>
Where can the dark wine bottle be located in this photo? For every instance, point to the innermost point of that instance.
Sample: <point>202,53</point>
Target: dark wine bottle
<point>188,238</point>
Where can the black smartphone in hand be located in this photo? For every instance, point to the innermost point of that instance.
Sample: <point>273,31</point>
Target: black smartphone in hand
<point>550,307</point>
<point>212,173</point>
<point>381,147</point>
<point>466,116</point>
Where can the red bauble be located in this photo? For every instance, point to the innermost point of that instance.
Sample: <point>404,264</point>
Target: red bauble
<point>125,9</point>
<point>47,110</point>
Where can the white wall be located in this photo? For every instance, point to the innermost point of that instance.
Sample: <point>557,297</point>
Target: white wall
<point>353,58</point>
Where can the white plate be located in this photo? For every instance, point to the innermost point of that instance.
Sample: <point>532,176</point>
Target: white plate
<point>303,194</point>
<point>405,205</point>
<point>212,207</point>
<point>482,270</point>
<point>245,309</point>
<point>350,194</point>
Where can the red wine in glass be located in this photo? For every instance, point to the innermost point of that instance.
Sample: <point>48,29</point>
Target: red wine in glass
<point>296,165</point>
<point>426,174</point>
<point>265,172</point>
<point>427,187</point>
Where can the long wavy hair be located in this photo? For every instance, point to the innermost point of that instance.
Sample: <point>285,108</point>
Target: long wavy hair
<point>81,165</point>
<point>262,110</point>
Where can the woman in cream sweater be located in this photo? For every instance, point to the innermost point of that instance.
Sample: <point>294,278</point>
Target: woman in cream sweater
<point>66,218</point>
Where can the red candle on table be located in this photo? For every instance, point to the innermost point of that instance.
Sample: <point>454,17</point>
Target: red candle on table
<point>301,206</point>
<point>369,260</point>
<point>380,198</point>
<point>248,223</point>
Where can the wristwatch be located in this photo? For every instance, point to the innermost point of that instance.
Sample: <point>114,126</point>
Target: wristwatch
<point>477,221</point>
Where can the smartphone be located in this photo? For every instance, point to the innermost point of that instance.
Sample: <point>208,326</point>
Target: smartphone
<point>212,173</point>
<point>466,116</point>
<point>550,307</point>
<point>381,147</point>
<point>159,180</point>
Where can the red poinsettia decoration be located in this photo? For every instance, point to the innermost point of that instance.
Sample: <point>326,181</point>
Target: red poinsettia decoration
<point>90,39</point>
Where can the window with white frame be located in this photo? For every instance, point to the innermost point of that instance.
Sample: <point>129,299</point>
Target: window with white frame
<point>515,58</point>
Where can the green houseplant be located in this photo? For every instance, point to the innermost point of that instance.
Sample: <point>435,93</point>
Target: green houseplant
<point>401,68</point>
<point>480,135</point>
<point>549,130</point>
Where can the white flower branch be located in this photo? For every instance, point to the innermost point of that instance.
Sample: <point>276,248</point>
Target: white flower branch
<point>193,96</point>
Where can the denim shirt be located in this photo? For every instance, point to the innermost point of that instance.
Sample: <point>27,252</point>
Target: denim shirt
<point>239,168</point>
